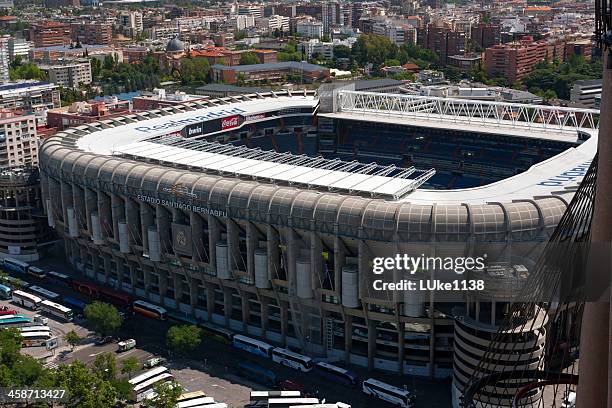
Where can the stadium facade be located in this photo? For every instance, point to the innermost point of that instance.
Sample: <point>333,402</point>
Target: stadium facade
<point>187,207</point>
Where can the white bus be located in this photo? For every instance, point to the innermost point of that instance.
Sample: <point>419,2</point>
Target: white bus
<point>397,396</point>
<point>291,402</point>
<point>57,310</point>
<point>137,382</point>
<point>146,389</point>
<point>266,395</point>
<point>260,348</point>
<point>149,310</point>
<point>195,402</point>
<point>27,329</point>
<point>291,359</point>
<point>44,293</point>
<point>14,265</point>
<point>34,339</point>
<point>26,299</point>
<point>37,272</point>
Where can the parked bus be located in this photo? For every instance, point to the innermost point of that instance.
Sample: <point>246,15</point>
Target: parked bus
<point>143,384</point>
<point>5,311</point>
<point>15,282</point>
<point>35,339</point>
<point>126,344</point>
<point>26,299</point>
<point>187,397</point>
<point>44,293</point>
<point>37,272</point>
<point>195,402</point>
<point>59,278</point>
<point>149,310</point>
<point>291,402</point>
<point>105,294</point>
<point>14,265</point>
<point>27,329</point>
<point>57,310</point>
<point>253,346</point>
<point>292,360</point>
<point>217,333</point>
<point>336,374</point>
<point>74,304</point>
<point>258,374</point>
<point>395,395</point>
<point>14,321</point>
<point>266,395</point>
<point>5,292</point>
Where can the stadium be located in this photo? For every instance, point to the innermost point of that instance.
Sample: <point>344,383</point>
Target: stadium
<point>262,213</point>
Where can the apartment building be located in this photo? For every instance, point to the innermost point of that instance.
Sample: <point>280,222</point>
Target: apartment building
<point>92,33</point>
<point>273,23</point>
<point>310,28</point>
<point>18,140</point>
<point>514,61</point>
<point>18,47</point>
<point>445,42</point>
<point>48,33</point>
<point>130,22</point>
<point>254,10</point>
<point>29,96</point>
<point>485,35</point>
<point>4,58</point>
<point>70,75</point>
<point>585,92</point>
<point>280,71</point>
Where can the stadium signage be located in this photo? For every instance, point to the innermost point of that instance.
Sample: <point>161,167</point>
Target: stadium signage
<point>177,123</point>
<point>566,176</point>
<point>229,123</point>
<point>181,205</point>
<point>255,117</point>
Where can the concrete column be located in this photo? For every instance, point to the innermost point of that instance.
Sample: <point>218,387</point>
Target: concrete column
<point>401,330</point>
<point>178,288</point>
<point>264,316</point>
<point>252,238</point>
<point>95,263</point>
<point>104,212</point>
<point>134,278</point>
<point>292,254</point>
<point>244,302</point>
<point>348,337</point>
<point>233,245</point>
<point>132,217</point>
<point>117,214</point>
<point>227,305</point>
<point>316,260</point>
<point>197,234</point>
<point>272,247</point>
<point>120,271</point>
<point>193,294</point>
<point>91,206</point>
<point>210,301</point>
<point>371,344</point>
<point>339,261</point>
<point>214,236</point>
<point>163,227</point>
<point>107,267</point>
<point>147,220</point>
<point>66,197</point>
<point>78,199</point>
<point>163,285</point>
<point>284,317</point>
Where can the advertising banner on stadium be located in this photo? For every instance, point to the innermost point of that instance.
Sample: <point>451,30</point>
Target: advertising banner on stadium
<point>181,239</point>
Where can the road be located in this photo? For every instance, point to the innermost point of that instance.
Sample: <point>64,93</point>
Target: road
<point>212,368</point>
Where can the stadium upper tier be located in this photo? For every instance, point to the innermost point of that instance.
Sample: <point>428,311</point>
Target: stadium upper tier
<point>127,151</point>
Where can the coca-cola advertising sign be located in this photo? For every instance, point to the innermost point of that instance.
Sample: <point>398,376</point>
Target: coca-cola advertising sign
<point>230,122</point>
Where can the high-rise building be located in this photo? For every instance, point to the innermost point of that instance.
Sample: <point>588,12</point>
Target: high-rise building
<point>445,42</point>
<point>70,75</point>
<point>48,33</point>
<point>330,15</point>
<point>131,22</point>
<point>18,140</point>
<point>92,33</point>
<point>4,58</point>
<point>514,61</point>
<point>18,47</point>
<point>585,91</point>
<point>485,36</point>
<point>250,10</point>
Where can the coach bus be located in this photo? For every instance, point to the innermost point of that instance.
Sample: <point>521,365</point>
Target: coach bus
<point>143,384</point>
<point>105,294</point>
<point>258,374</point>
<point>259,348</point>
<point>336,374</point>
<point>217,333</point>
<point>5,311</point>
<point>15,282</point>
<point>291,402</point>
<point>35,338</point>
<point>59,278</point>
<point>14,265</point>
<point>26,299</point>
<point>37,272</point>
<point>149,310</point>
<point>37,328</point>
<point>5,292</point>
<point>395,395</point>
<point>195,402</point>
<point>57,310</point>
<point>266,395</point>
<point>44,293</point>
<point>292,360</point>
<point>14,321</point>
<point>74,304</point>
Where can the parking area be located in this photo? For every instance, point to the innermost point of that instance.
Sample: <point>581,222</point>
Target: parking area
<point>213,368</point>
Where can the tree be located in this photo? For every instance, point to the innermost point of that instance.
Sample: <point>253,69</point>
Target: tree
<point>184,339</point>
<point>374,49</point>
<point>104,318</point>
<point>249,58</point>
<point>167,395</point>
<point>72,338</point>
<point>105,366</point>
<point>86,389</point>
<point>129,366</point>
<point>342,51</point>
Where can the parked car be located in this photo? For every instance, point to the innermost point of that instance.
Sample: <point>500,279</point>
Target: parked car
<point>104,340</point>
<point>152,362</point>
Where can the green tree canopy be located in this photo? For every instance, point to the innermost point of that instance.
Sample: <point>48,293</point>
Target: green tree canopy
<point>249,58</point>
<point>85,389</point>
<point>167,396</point>
<point>129,366</point>
<point>184,339</point>
<point>72,338</point>
<point>105,366</point>
<point>374,49</point>
<point>104,318</point>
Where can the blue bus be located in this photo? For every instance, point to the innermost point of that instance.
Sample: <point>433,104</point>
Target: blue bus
<point>59,278</point>
<point>14,321</point>
<point>258,374</point>
<point>336,374</point>
<point>14,265</point>
<point>257,347</point>
<point>75,304</point>
<point>5,292</point>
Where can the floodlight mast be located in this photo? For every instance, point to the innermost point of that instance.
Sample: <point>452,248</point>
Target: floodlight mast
<point>595,370</point>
